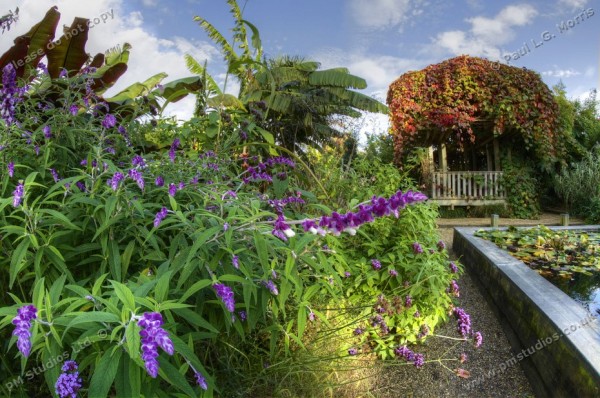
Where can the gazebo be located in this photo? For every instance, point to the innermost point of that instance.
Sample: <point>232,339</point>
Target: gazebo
<point>472,115</point>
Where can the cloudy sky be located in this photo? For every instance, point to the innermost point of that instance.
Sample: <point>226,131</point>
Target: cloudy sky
<point>376,39</point>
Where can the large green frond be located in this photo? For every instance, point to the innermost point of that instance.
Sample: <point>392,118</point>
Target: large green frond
<point>338,77</point>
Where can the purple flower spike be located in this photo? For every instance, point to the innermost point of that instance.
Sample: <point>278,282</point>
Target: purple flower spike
<point>226,295</point>
<point>235,261</point>
<point>68,383</point>
<point>352,351</point>
<point>464,322</point>
<point>18,194</point>
<point>160,216</point>
<point>200,380</point>
<point>453,268</point>
<point>159,182</point>
<point>116,180</point>
<point>441,245</point>
<point>11,169</point>
<point>109,121</point>
<point>47,132</point>
<point>172,189</point>
<point>153,336</point>
<point>174,147</point>
<point>22,330</point>
<point>272,287</point>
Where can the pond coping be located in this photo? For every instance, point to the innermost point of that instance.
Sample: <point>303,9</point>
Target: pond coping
<point>554,338</point>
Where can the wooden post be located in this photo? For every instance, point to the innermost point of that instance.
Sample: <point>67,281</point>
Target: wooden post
<point>494,220</point>
<point>443,162</point>
<point>497,166</point>
<point>564,219</point>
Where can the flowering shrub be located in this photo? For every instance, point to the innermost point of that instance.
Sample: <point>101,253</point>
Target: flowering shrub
<point>137,271</point>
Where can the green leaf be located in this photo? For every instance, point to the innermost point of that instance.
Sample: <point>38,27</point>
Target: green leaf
<point>104,374</point>
<point>125,295</point>
<point>16,261</point>
<point>162,287</point>
<point>201,284</point>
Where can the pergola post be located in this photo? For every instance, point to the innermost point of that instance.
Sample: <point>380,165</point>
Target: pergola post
<point>443,160</point>
<point>497,166</point>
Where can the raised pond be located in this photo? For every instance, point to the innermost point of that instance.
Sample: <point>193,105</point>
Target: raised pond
<point>569,259</point>
<point>554,338</point>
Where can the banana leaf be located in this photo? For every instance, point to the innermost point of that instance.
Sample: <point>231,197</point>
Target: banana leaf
<point>68,52</point>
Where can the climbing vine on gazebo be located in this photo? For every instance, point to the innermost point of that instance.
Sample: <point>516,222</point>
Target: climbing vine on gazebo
<point>441,102</point>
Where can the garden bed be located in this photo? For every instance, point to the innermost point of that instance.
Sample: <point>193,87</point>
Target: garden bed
<point>556,341</point>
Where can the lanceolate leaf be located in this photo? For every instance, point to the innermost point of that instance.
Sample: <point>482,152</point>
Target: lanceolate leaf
<point>68,52</point>
<point>338,77</point>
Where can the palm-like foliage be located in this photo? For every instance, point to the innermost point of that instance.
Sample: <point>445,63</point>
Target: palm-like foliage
<point>301,99</point>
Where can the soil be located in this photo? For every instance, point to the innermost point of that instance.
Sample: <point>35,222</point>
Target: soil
<point>484,365</point>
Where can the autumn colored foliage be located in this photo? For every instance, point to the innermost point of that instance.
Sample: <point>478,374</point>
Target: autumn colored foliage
<point>442,102</point>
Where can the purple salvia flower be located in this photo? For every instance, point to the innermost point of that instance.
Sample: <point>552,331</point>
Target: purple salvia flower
<point>200,380</point>
<point>243,315</point>
<point>160,216</point>
<point>311,316</point>
<point>116,180</point>
<point>54,175</point>
<point>454,290</point>
<point>281,229</point>
<point>235,261</point>
<point>18,194</point>
<point>173,148</point>
<point>226,295</point>
<point>68,383</point>
<point>80,185</point>
<point>10,94</point>
<point>22,323</point>
<point>11,169</point>
<point>393,273</point>
<point>358,331</point>
<point>153,336</point>
<point>74,109</point>
<point>408,301</point>
<point>172,189</point>
<point>136,176</point>
<point>181,185</point>
<point>376,264</point>
<point>109,121</point>
<point>271,286</point>
<point>347,274</point>
<point>225,226</point>
<point>47,132</point>
<point>159,182</point>
<point>138,161</point>
<point>352,351</point>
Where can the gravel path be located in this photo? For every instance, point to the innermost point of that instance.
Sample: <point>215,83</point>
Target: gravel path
<point>437,380</point>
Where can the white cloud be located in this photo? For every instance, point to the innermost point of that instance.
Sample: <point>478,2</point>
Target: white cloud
<point>149,54</point>
<point>561,73</point>
<point>486,35</point>
<point>150,3</point>
<point>379,14</point>
<point>573,4</point>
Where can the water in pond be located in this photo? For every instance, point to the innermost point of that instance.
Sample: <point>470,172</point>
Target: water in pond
<point>569,259</point>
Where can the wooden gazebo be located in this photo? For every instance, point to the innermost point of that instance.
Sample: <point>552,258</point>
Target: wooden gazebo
<point>471,113</point>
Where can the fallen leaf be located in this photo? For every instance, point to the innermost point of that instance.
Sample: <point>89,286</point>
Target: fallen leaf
<point>465,374</point>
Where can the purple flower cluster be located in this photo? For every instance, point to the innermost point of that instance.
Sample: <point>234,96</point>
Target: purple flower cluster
<point>22,323</point>
<point>454,290</point>
<point>153,336</point>
<point>441,245</point>
<point>159,182</point>
<point>408,355</point>
<point>200,380</point>
<point>464,321</point>
<point>47,132</point>
<point>352,351</point>
<point>417,248</point>
<point>271,286</point>
<point>226,294</point>
<point>349,222</point>
<point>116,180</point>
<point>478,339</point>
<point>279,204</point>
<point>55,175</point>
<point>173,148</point>
<point>453,268</point>
<point>160,216</point>
<point>172,189</point>
<point>235,261</point>
<point>18,194</point>
<point>393,273</point>
<point>281,229</point>
<point>408,301</point>
<point>109,121</point>
<point>376,264</point>
<point>256,174</point>
<point>280,160</point>
<point>11,169</point>
<point>10,94</point>
<point>68,383</point>
<point>138,161</point>
<point>136,176</point>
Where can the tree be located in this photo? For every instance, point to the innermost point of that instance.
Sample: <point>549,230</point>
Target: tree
<point>301,99</point>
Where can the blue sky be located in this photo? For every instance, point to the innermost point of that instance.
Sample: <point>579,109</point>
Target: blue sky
<point>376,39</point>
